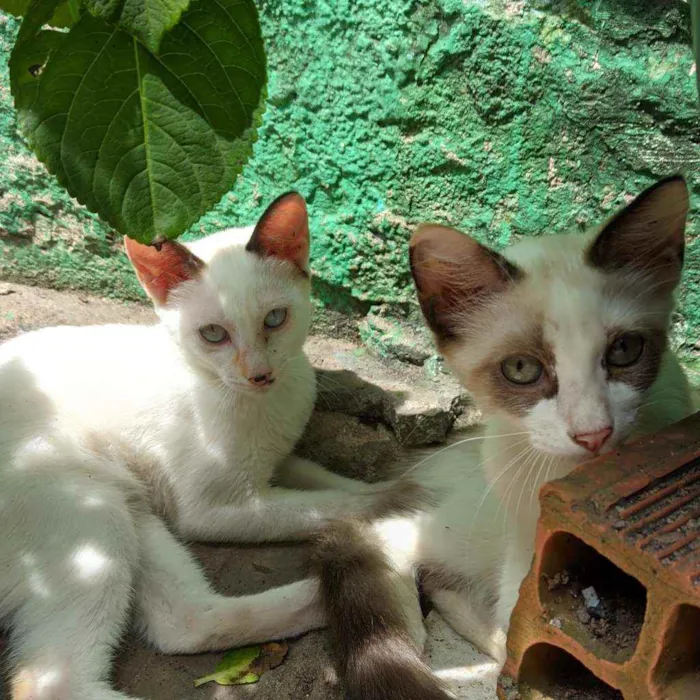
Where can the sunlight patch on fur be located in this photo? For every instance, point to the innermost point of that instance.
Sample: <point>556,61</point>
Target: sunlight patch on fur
<point>89,562</point>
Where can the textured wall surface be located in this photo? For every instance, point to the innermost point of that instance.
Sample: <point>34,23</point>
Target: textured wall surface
<point>503,117</point>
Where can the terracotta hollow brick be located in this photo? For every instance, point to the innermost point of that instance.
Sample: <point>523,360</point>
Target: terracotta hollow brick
<point>626,524</point>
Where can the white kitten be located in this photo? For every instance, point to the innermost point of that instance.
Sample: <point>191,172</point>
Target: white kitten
<point>104,429</point>
<point>563,342</point>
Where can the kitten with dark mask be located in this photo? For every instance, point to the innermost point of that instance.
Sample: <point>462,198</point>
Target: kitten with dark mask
<point>563,341</point>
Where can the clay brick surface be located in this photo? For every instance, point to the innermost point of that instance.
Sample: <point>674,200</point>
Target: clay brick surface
<point>626,524</point>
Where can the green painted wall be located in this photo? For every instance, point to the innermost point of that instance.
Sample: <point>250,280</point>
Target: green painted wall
<point>503,117</point>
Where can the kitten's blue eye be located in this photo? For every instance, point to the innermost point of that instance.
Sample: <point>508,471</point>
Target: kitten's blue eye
<point>276,318</point>
<point>213,333</point>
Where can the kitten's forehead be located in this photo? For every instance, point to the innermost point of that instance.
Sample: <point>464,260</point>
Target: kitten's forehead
<point>575,304</point>
<point>563,296</point>
<point>228,240</point>
<point>242,284</point>
<point>563,307</point>
<point>550,254</point>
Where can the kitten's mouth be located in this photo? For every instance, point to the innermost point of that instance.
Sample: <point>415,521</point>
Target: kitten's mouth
<point>262,388</point>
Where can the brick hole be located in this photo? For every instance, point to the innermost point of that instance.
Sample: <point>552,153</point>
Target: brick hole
<point>550,673</point>
<point>678,670</point>
<point>611,629</point>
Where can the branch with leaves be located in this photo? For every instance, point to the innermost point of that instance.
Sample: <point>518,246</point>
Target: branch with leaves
<point>145,110</point>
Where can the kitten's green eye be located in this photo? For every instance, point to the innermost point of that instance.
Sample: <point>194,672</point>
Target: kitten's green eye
<point>214,334</point>
<point>276,318</point>
<point>521,369</point>
<point>625,350</point>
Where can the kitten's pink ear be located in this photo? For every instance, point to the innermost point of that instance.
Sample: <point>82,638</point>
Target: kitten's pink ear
<point>453,275</point>
<point>160,271</point>
<point>648,235</point>
<point>283,231</point>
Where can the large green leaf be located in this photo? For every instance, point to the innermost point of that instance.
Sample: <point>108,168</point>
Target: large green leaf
<point>147,19</point>
<point>150,142</point>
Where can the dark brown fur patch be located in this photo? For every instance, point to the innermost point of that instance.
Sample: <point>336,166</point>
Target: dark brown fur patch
<point>377,658</point>
<point>647,235</point>
<point>454,274</point>
<point>488,382</point>
<point>435,576</point>
<point>642,374</point>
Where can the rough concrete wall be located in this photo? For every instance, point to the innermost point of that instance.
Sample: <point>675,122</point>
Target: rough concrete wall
<point>503,117</point>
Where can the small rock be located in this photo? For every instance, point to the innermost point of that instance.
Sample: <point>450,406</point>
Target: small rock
<point>419,410</point>
<point>415,425</point>
<point>590,598</point>
<point>467,414</point>
<point>558,580</point>
<point>389,337</point>
<point>510,688</point>
<point>347,446</point>
<point>555,622</point>
<point>599,628</point>
<point>620,524</point>
<point>583,616</point>
<point>5,289</point>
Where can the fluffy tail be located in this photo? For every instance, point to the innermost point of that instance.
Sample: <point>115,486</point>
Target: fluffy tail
<point>370,608</point>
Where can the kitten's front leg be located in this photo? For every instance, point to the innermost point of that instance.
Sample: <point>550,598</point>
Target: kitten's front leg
<point>179,612</point>
<point>279,514</point>
<point>515,567</point>
<point>299,473</point>
<point>459,612</point>
<point>276,514</point>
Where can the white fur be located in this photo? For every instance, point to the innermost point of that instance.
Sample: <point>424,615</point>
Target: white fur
<point>103,429</point>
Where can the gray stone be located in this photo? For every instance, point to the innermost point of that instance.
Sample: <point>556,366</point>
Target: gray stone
<point>347,446</point>
<point>392,338</point>
<point>419,409</point>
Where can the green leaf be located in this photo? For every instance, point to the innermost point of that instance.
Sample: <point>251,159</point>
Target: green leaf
<point>149,142</point>
<point>63,16</point>
<point>233,668</point>
<point>148,20</point>
<point>243,666</point>
<point>38,45</point>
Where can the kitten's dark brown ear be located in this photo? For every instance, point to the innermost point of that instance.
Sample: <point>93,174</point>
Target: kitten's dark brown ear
<point>648,235</point>
<point>453,274</point>
<point>283,231</point>
<point>160,271</point>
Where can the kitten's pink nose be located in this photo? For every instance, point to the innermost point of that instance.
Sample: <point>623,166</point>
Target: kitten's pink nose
<point>593,441</point>
<point>262,380</point>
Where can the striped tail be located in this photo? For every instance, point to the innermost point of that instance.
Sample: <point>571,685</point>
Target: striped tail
<point>367,604</point>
